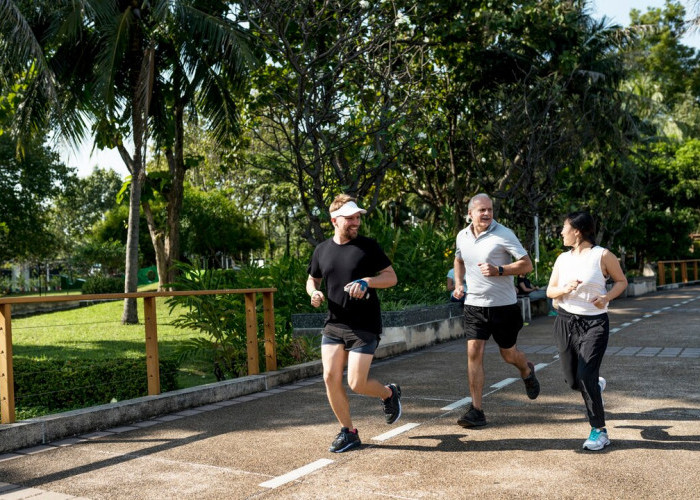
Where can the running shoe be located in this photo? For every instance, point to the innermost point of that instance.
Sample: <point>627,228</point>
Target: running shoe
<point>392,404</point>
<point>532,385</point>
<point>472,418</point>
<point>345,440</point>
<point>597,440</point>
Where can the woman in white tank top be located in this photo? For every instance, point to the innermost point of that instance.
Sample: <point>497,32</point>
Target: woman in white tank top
<point>582,328</point>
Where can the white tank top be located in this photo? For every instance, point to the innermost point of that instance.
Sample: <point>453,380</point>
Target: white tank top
<point>586,268</point>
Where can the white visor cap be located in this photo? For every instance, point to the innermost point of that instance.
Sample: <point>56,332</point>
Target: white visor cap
<point>350,208</point>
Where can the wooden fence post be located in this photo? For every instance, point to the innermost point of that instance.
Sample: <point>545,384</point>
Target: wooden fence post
<point>269,328</point>
<point>152,362</point>
<point>662,274</point>
<point>7,384</point>
<point>673,271</point>
<point>251,326</point>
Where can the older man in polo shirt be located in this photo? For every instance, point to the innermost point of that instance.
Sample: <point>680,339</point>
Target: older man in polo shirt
<point>489,255</point>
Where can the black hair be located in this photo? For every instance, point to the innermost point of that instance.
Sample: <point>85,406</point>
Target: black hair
<point>584,223</point>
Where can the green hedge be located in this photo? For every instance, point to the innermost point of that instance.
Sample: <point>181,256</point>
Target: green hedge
<point>49,386</point>
<point>102,284</point>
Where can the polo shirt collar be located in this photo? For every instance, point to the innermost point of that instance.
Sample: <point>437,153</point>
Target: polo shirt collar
<point>491,228</point>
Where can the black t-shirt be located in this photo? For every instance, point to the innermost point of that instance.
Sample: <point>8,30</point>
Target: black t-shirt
<point>338,265</point>
<point>525,282</point>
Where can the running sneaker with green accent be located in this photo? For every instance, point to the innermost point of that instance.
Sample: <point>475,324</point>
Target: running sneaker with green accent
<point>392,404</point>
<point>597,440</point>
<point>532,385</point>
<point>345,440</point>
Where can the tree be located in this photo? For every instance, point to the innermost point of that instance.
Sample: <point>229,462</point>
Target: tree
<point>661,54</point>
<point>29,179</point>
<point>518,95</point>
<point>213,229</point>
<point>135,68</point>
<point>261,197</point>
<point>114,227</point>
<point>84,202</point>
<point>332,108</point>
<point>27,183</point>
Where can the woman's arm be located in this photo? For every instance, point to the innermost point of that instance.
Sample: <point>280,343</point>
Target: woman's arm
<point>554,291</point>
<point>611,267</point>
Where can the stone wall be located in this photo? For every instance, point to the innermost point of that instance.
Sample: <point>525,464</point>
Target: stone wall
<point>413,327</point>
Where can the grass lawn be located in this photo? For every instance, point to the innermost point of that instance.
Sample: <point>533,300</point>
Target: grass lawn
<point>96,332</point>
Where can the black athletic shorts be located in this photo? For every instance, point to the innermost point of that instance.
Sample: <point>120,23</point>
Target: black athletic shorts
<point>503,322</point>
<point>354,340</point>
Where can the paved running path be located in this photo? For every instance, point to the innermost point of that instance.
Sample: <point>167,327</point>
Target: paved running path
<point>274,444</point>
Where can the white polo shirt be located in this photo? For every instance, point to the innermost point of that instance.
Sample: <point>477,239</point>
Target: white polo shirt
<point>498,246</point>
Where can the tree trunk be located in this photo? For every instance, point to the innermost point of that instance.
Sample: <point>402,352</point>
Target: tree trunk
<point>137,166</point>
<point>176,163</point>
<point>457,200</point>
<point>130,314</point>
<point>158,247</point>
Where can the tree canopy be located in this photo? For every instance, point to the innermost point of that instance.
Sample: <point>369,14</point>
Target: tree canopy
<point>264,111</point>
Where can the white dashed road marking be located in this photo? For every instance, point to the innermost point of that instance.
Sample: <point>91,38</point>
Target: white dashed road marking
<point>504,382</point>
<point>457,404</point>
<point>394,432</point>
<point>296,474</point>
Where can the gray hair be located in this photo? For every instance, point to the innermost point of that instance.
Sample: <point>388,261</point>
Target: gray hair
<point>478,196</point>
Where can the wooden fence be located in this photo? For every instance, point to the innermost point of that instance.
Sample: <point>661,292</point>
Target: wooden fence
<point>7,396</point>
<point>674,266</point>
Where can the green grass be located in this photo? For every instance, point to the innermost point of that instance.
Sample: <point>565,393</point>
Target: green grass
<point>96,332</point>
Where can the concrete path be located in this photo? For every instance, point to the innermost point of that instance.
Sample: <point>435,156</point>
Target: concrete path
<point>274,444</point>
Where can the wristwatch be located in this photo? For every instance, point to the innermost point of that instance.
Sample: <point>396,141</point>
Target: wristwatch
<point>500,270</point>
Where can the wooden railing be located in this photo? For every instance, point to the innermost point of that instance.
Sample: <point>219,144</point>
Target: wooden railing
<point>674,265</point>
<point>7,396</point>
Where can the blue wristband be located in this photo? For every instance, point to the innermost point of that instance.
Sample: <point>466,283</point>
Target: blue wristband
<point>363,284</point>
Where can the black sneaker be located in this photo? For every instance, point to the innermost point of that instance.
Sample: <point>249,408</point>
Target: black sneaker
<point>472,418</point>
<point>345,440</point>
<point>532,385</point>
<point>392,404</point>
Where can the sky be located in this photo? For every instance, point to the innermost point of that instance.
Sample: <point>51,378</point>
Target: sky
<point>84,159</point>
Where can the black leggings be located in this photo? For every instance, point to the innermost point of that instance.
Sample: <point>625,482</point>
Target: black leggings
<point>582,341</point>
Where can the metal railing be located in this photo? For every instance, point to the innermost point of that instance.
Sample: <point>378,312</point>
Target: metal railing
<point>7,396</point>
<point>674,266</point>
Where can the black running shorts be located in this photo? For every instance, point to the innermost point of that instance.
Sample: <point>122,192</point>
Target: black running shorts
<point>501,322</point>
<point>356,341</point>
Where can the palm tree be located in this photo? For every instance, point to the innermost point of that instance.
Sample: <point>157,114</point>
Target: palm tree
<point>135,69</point>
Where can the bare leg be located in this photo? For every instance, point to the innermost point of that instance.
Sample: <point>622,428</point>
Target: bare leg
<point>475,370</point>
<point>516,358</point>
<point>334,358</point>
<point>358,373</point>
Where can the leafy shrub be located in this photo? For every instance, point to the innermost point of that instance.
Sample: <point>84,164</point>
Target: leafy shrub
<point>108,254</point>
<point>102,284</point>
<point>221,318</point>
<point>45,386</point>
<point>420,254</point>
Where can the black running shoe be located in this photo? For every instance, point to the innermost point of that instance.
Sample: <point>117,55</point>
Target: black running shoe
<point>392,404</point>
<point>532,385</point>
<point>472,418</point>
<point>345,440</point>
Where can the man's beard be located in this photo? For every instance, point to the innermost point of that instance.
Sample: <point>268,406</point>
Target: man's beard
<point>350,233</point>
